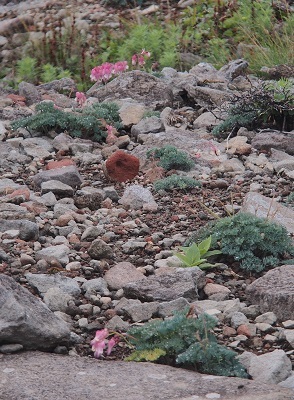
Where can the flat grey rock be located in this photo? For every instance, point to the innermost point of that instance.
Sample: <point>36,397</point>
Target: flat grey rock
<point>42,376</point>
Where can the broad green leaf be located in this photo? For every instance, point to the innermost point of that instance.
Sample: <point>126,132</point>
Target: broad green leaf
<point>212,253</point>
<point>204,246</point>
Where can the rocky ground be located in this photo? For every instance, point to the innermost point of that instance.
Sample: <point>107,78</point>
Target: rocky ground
<point>99,252</point>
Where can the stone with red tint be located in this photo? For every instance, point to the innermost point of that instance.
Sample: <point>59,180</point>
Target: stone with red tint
<point>122,166</point>
<point>58,164</point>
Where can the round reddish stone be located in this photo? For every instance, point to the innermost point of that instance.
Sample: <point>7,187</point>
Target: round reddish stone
<point>121,166</point>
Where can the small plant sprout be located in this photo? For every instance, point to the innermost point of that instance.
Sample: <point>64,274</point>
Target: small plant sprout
<point>192,255</point>
<point>80,98</point>
<point>102,341</point>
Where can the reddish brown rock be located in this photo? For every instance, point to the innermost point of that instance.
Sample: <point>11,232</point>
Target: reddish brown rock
<point>58,164</point>
<point>122,166</point>
<point>22,192</point>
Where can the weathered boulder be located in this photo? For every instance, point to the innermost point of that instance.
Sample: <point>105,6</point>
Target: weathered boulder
<point>25,320</point>
<point>182,283</point>
<point>68,175</point>
<point>275,292</point>
<point>272,139</point>
<point>137,85</point>
<point>265,207</point>
<point>62,378</point>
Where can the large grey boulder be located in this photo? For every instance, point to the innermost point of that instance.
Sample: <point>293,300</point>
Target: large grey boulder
<point>34,375</point>
<point>275,292</point>
<point>68,175</point>
<point>272,368</point>
<point>137,85</point>
<point>24,319</point>
<point>265,207</point>
<point>182,283</point>
<point>43,282</point>
<point>276,140</point>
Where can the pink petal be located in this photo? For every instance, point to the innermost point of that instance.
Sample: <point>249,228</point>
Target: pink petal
<point>98,349</point>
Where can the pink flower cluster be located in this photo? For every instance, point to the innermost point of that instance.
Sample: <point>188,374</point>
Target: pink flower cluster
<point>80,98</point>
<point>100,342</point>
<point>139,59</point>
<point>104,72</point>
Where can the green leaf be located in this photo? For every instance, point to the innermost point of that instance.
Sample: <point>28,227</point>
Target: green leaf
<point>204,246</point>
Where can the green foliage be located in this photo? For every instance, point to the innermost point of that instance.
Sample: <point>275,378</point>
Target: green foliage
<point>176,182</point>
<point>271,105</point>
<point>26,70</point>
<point>50,73</point>
<point>161,42</point>
<point>84,123</point>
<point>186,341</point>
<point>193,254</point>
<point>171,158</point>
<point>256,243</point>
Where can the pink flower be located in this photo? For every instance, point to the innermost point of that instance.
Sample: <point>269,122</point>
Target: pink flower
<point>120,67</point>
<point>111,138</point>
<point>112,342</point>
<point>80,98</point>
<point>98,343</point>
<point>145,53</point>
<point>139,59</point>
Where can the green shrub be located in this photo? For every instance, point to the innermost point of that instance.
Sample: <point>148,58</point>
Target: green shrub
<point>176,182</point>
<point>269,105</point>
<point>171,158</point>
<point>256,243</point>
<point>186,341</point>
<point>151,113</point>
<point>84,123</point>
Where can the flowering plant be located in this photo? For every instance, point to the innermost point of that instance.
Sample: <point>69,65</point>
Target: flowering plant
<point>104,72</point>
<point>139,59</point>
<point>80,98</point>
<point>101,341</point>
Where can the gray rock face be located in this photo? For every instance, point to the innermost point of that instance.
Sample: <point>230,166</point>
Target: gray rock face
<point>30,92</point>
<point>138,311</point>
<point>43,283</point>
<point>269,368</point>
<point>121,274</point>
<point>12,212</point>
<point>89,197</point>
<point>147,125</point>
<point>52,253</point>
<point>137,85</point>
<point>265,207</point>
<point>275,292</point>
<point>28,230</point>
<point>74,379</point>
<point>25,320</point>
<point>136,197</point>
<point>58,188</point>
<point>68,175</point>
<point>184,283</point>
<point>65,86</point>
<point>36,147</point>
<point>99,249</point>
<point>268,140</point>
